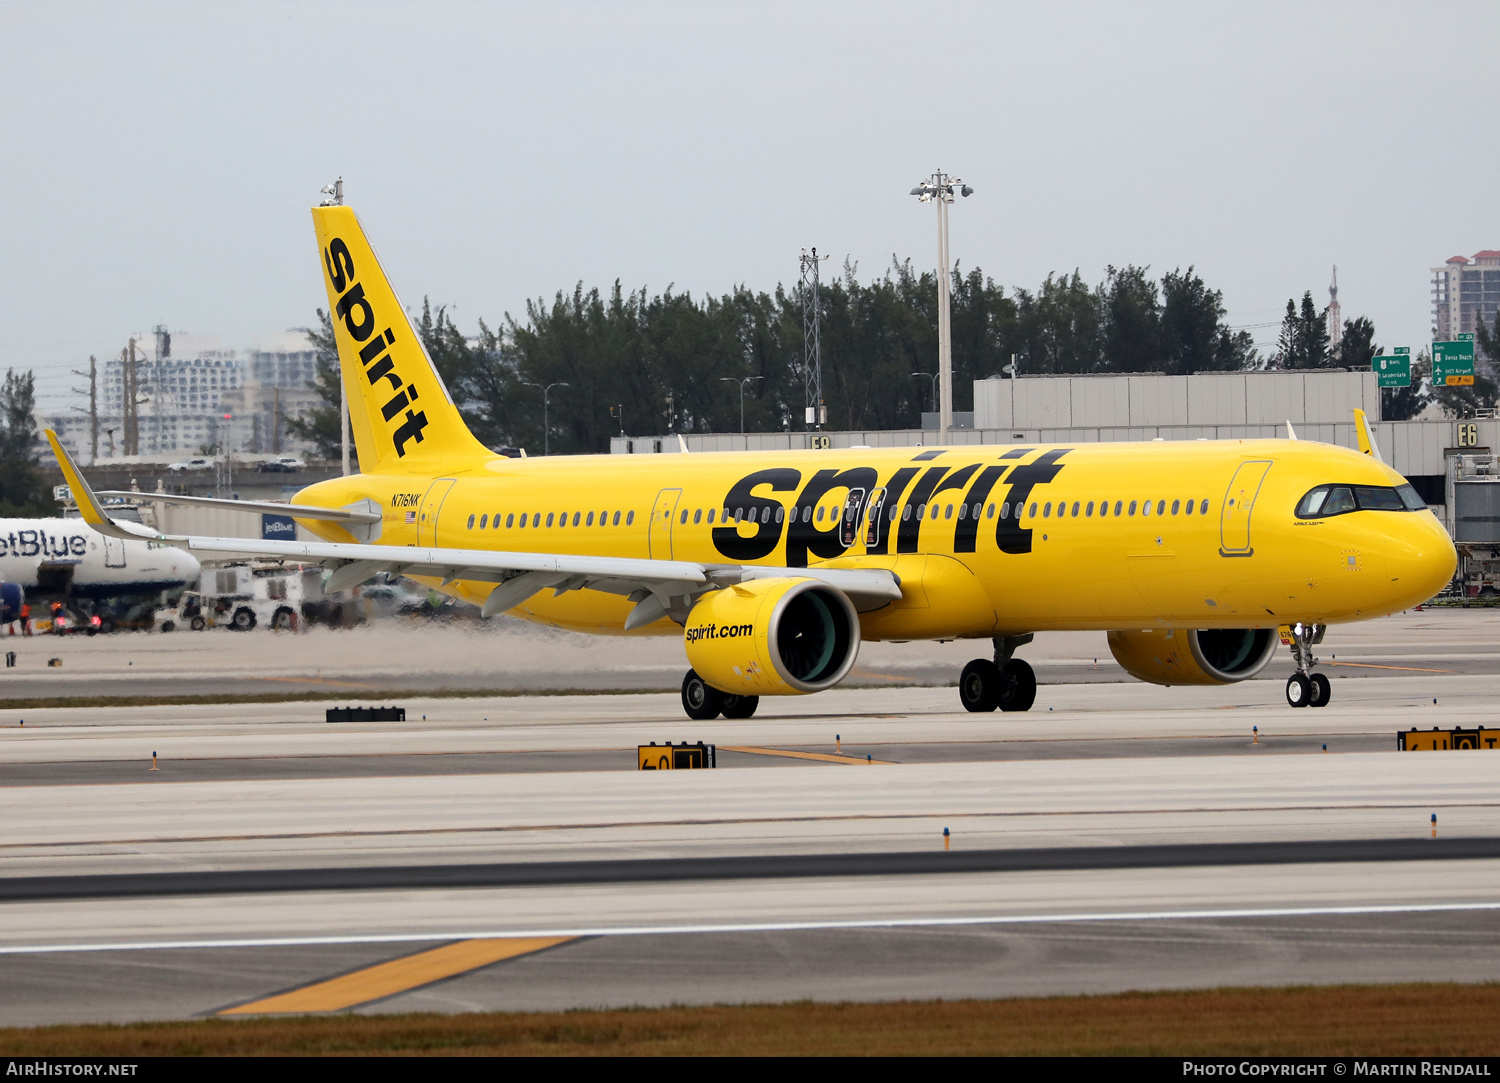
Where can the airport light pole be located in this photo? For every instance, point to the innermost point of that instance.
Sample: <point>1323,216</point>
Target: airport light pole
<point>933,378</point>
<point>742,383</point>
<point>546,430</point>
<point>939,188</point>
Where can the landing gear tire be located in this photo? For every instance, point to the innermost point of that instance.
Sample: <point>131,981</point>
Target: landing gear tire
<point>243,620</point>
<point>700,700</point>
<point>197,624</point>
<point>979,686</point>
<point>1322,691</point>
<point>1017,686</point>
<point>1299,690</point>
<point>284,620</point>
<point>740,706</point>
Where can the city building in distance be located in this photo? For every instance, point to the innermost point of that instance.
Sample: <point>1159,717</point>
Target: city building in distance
<point>186,384</point>
<point>1464,292</point>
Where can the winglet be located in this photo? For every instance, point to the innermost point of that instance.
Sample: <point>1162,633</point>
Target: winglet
<point>88,503</point>
<point>1291,433</point>
<point>1366,436</point>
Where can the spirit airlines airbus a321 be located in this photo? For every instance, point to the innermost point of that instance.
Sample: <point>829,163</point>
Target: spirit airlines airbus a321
<point>772,567</point>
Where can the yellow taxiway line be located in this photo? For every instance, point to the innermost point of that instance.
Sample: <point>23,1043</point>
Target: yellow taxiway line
<point>397,975</point>
<point>1369,665</point>
<point>826,757</point>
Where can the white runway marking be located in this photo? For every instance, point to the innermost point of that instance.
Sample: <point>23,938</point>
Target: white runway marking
<point>761,927</point>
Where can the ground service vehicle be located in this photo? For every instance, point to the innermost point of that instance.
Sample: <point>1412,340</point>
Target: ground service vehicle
<point>244,595</point>
<point>773,567</point>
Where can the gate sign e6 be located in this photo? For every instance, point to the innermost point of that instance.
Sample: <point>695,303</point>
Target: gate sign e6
<point>1393,370</point>
<point>1453,362</point>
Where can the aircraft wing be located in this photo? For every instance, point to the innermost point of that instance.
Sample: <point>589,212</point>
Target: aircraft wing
<point>296,511</point>
<point>656,586</point>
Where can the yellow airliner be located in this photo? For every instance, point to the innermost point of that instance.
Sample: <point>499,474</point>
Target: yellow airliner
<point>1195,557</point>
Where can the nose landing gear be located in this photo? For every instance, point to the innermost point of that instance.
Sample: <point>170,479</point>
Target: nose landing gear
<point>1007,683</point>
<point>1303,688</point>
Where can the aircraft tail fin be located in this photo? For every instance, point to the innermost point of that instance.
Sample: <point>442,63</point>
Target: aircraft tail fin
<point>88,504</point>
<point>1366,436</point>
<point>400,411</point>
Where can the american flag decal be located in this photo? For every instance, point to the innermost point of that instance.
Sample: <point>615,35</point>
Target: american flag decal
<point>411,517</point>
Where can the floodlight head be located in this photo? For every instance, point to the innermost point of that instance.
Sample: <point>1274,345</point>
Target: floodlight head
<point>966,191</point>
<point>917,191</point>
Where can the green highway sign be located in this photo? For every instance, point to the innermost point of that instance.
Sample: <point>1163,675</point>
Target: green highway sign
<point>1453,362</point>
<point>1394,370</point>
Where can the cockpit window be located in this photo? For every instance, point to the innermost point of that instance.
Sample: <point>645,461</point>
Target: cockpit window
<point>1378,499</point>
<point>1326,500</point>
<point>1410,498</point>
<point>1312,503</point>
<point>1340,500</point>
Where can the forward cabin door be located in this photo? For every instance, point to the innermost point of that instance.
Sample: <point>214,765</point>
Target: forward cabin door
<point>114,552</point>
<point>432,504</point>
<point>1239,503</point>
<point>660,538</point>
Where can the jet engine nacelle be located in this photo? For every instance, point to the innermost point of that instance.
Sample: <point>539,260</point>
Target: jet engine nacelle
<point>773,637</point>
<point>1194,656</point>
<point>12,598</point>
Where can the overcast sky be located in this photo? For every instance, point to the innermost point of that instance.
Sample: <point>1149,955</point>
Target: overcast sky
<point>157,159</point>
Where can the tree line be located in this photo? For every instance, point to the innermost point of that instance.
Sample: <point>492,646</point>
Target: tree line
<point>640,363</point>
<point>23,489</point>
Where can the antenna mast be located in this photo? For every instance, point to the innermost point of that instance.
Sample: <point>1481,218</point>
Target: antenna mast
<point>1335,315</point>
<point>816,412</point>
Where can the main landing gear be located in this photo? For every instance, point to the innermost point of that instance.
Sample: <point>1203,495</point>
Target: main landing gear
<point>1305,689</point>
<point>703,702</point>
<point>1007,683</point>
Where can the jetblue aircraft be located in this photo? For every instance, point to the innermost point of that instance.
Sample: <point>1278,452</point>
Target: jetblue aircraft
<point>69,557</point>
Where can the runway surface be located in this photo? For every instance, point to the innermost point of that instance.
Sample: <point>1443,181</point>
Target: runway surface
<point>502,851</point>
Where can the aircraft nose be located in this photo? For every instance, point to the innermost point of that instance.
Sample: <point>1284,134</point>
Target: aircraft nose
<point>1423,561</point>
<point>188,566</point>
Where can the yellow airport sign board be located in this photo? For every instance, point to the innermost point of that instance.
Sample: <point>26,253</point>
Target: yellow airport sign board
<point>1436,740</point>
<point>670,757</point>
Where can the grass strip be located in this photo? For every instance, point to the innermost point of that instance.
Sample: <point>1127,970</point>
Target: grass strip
<point>1341,1020</point>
